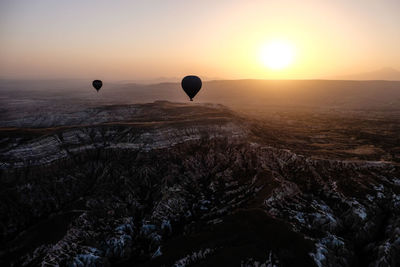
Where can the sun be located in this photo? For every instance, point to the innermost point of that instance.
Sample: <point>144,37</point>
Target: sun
<point>277,55</point>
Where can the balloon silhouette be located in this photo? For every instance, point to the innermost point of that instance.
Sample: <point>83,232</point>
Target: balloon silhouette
<point>97,84</point>
<point>191,85</point>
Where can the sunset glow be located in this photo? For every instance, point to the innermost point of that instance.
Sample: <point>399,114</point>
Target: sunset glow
<point>277,55</point>
<point>227,39</point>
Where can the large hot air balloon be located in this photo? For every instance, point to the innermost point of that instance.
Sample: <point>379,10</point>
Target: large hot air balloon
<point>97,84</point>
<point>191,85</point>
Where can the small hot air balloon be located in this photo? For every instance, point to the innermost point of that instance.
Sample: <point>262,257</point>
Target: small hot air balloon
<point>97,84</point>
<point>191,85</point>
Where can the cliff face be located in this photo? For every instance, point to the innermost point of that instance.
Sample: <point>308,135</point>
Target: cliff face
<point>169,184</point>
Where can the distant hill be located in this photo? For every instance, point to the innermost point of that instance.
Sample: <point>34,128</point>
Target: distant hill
<point>165,80</point>
<point>257,95</point>
<point>388,74</point>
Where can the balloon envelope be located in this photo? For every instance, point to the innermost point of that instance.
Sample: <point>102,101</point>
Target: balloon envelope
<point>97,84</point>
<point>191,85</point>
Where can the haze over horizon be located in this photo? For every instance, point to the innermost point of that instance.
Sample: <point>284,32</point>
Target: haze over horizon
<point>144,40</point>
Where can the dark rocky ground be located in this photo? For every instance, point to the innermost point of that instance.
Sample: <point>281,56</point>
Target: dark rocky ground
<point>167,184</point>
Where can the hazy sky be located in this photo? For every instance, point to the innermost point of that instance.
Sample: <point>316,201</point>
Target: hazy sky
<point>129,40</point>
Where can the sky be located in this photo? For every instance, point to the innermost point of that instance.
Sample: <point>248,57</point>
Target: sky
<point>148,39</point>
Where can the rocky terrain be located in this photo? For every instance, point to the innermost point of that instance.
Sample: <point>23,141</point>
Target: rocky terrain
<point>166,184</point>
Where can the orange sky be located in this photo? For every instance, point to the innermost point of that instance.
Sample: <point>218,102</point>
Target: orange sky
<point>138,40</point>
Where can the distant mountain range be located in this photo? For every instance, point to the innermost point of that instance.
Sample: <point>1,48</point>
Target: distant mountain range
<point>255,95</point>
<point>165,80</point>
<point>389,74</point>
<point>386,74</point>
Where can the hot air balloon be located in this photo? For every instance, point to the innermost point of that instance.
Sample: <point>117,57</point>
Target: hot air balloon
<point>97,84</point>
<point>191,85</point>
